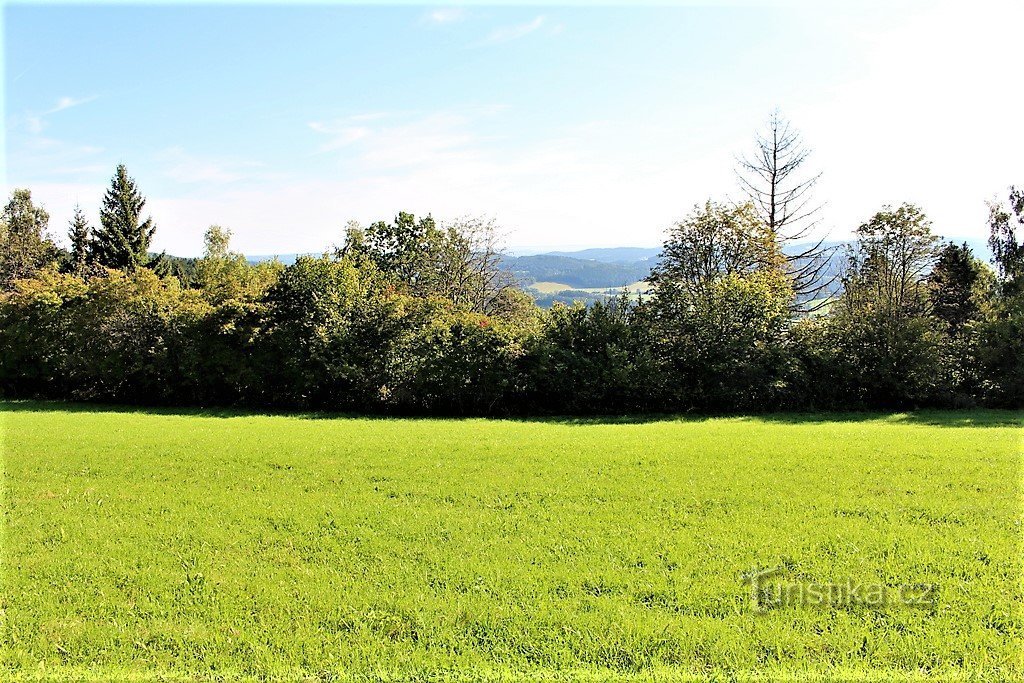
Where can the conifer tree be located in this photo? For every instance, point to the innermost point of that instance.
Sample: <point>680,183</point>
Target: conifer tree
<point>79,236</point>
<point>122,241</point>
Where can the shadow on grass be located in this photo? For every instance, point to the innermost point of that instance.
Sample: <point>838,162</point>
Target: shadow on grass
<point>971,418</point>
<point>976,417</point>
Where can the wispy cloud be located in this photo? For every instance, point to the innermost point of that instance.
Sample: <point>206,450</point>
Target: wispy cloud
<point>67,103</point>
<point>38,156</point>
<point>340,133</point>
<point>400,140</point>
<point>505,34</point>
<point>565,187</point>
<point>444,15</point>
<point>36,122</point>
<point>182,167</point>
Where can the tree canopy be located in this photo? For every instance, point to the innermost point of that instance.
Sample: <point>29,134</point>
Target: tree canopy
<point>413,315</point>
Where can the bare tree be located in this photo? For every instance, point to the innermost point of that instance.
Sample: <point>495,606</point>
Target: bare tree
<point>775,181</point>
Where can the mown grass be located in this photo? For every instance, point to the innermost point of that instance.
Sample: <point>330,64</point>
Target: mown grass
<point>177,545</point>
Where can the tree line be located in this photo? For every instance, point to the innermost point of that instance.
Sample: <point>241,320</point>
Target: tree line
<point>413,316</point>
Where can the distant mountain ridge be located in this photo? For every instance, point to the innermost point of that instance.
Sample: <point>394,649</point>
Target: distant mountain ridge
<point>612,268</point>
<point>577,272</point>
<point>610,254</point>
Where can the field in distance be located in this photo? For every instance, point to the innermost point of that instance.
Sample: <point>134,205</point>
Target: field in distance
<point>556,287</point>
<point>219,545</point>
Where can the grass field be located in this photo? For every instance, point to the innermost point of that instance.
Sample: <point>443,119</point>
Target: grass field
<point>218,546</point>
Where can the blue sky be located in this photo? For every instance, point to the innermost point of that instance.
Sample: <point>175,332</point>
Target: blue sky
<point>570,126</point>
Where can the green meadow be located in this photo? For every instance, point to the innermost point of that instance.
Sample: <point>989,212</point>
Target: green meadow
<point>177,545</point>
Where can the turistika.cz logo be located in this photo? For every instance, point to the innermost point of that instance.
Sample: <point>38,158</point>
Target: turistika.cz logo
<point>770,590</point>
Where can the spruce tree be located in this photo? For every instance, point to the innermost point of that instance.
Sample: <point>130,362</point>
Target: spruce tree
<point>122,241</point>
<point>79,236</point>
<point>954,286</point>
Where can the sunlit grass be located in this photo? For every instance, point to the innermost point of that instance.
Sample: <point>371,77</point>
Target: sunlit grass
<point>148,544</point>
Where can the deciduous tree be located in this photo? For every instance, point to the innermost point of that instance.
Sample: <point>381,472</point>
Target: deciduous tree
<point>24,244</point>
<point>1005,222</point>
<point>886,268</point>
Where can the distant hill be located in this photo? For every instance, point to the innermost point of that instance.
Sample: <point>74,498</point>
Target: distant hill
<point>576,272</point>
<point>611,254</point>
<point>588,274</point>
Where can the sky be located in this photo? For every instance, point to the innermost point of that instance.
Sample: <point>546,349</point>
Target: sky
<point>570,126</point>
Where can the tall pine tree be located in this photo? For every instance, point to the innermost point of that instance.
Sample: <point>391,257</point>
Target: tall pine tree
<point>79,236</point>
<point>122,241</point>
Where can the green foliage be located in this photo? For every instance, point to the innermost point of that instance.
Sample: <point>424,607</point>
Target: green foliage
<point>224,275</point>
<point>596,359</point>
<point>882,317</point>
<point>886,272</point>
<point>960,286</point>
<point>961,292</point>
<point>413,317</point>
<point>460,363</point>
<point>998,345</point>
<point>401,248</point>
<point>130,337</point>
<point>326,335</point>
<point>1004,223</point>
<point>184,269</point>
<point>80,237</point>
<point>122,241</point>
<point>713,241</point>
<point>165,545</point>
<point>24,245</point>
<point>725,346</point>
<point>118,337</point>
<point>895,364</point>
<point>34,328</point>
<point>1000,352</point>
<point>459,262</point>
<point>721,302</point>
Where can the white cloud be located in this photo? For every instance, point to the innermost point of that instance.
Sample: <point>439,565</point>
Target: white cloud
<point>505,34</point>
<point>38,156</point>
<point>67,103</point>
<point>60,199</point>
<point>570,187</point>
<point>928,116</point>
<point>445,15</point>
